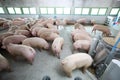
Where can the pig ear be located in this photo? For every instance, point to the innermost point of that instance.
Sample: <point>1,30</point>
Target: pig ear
<point>63,62</point>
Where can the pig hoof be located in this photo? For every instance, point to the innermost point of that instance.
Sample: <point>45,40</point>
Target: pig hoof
<point>46,78</point>
<point>78,78</point>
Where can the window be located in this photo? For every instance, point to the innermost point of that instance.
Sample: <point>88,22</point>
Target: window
<point>17,10</point>
<point>50,10</point>
<point>102,11</point>
<point>94,11</point>
<point>32,10</point>
<point>114,11</point>
<point>66,10</point>
<point>78,10</point>
<point>1,10</point>
<point>43,10</point>
<point>26,10</point>
<point>85,11</point>
<point>59,10</point>
<point>11,10</point>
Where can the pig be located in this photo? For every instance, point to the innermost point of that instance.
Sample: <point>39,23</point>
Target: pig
<point>82,44</point>
<point>4,64</point>
<point>100,56</point>
<point>4,35</point>
<point>21,50</point>
<point>70,22</point>
<point>23,32</point>
<point>18,22</point>
<point>57,46</point>
<point>93,22</point>
<point>51,26</point>
<point>23,27</point>
<point>81,21</point>
<point>79,26</point>
<point>75,61</point>
<point>79,31</point>
<point>49,36</point>
<point>12,29</point>
<point>36,43</point>
<point>16,39</point>
<point>79,36</point>
<point>34,30</point>
<point>104,29</point>
<point>42,30</point>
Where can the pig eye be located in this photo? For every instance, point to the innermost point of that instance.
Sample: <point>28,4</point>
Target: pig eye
<point>77,78</point>
<point>46,78</point>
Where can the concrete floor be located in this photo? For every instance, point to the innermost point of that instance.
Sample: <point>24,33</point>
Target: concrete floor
<point>45,64</point>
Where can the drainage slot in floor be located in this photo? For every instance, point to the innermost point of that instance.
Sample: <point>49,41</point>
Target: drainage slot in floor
<point>77,78</point>
<point>46,78</point>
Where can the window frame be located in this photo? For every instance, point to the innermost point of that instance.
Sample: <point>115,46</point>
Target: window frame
<point>116,13</point>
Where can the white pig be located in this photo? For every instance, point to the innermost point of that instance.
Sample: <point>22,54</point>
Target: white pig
<point>36,42</point>
<point>76,61</point>
<point>57,46</point>
<point>82,44</point>
<point>16,39</point>
<point>22,50</point>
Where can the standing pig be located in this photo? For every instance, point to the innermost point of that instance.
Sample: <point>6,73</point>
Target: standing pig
<point>4,64</point>
<point>104,29</point>
<point>36,43</point>
<point>49,36</point>
<point>79,26</point>
<point>76,61</point>
<point>34,30</point>
<point>79,31</point>
<point>80,36</point>
<point>16,39</point>
<point>82,44</point>
<point>100,56</point>
<point>57,46</point>
<point>21,50</point>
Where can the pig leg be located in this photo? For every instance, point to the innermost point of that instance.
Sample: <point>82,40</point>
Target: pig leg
<point>40,49</point>
<point>68,73</point>
<point>9,69</point>
<point>84,69</point>
<point>58,55</point>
